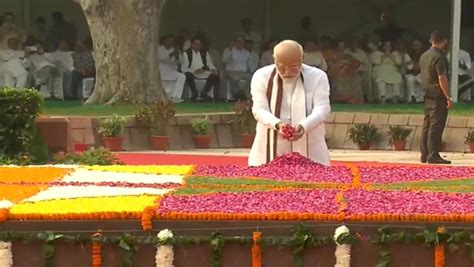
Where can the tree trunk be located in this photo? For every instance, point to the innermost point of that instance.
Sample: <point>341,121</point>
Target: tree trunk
<point>126,39</point>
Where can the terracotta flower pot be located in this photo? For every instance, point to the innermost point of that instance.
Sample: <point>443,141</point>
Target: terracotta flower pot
<point>471,147</point>
<point>399,145</point>
<point>79,148</point>
<point>247,140</point>
<point>202,141</point>
<point>113,143</point>
<point>364,146</point>
<point>159,142</point>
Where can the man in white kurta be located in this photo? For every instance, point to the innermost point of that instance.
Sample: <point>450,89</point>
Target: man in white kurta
<point>293,93</point>
<point>169,57</point>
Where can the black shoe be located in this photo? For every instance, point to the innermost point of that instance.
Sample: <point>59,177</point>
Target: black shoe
<point>423,160</point>
<point>439,161</point>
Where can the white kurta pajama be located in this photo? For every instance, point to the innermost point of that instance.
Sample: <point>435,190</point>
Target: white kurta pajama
<point>304,101</point>
<point>169,72</point>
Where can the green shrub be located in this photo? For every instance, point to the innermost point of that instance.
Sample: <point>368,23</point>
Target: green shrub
<point>157,116</point>
<point>93,156</point>
<point>363,134</point>
<point>244,116</point>
<point>201,125</point>
<point>398,133</point>
<point>18,110</point>
<point>20,159</point>
<point>38,148</point>
<point>112,126</point>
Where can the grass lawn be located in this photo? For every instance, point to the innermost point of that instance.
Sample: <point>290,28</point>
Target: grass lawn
<point>75,108</point>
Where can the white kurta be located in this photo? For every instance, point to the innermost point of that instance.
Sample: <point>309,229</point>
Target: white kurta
<point>168,64</point>
<point>197,64</point>
<point>316,93</point>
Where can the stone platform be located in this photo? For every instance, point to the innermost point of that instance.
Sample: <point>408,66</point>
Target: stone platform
<point>65,131</point>
<point>363,254</point>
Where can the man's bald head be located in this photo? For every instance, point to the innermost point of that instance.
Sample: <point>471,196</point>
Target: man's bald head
<point>288,48</point>
<point>288,56</point>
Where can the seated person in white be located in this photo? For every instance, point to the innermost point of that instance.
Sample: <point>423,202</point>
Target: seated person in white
<point>62,58</point>
<point>267,55</point>
<point>289,93</point>
<point>465,66</point>
<point>413,78</point>
<point>15,65</point>
<point>386,72</point>
<point>169,56</point>
<point>360,55</point>
<point>313,57</point>
<point>254,56</point>
<point>237,60</point>
<point>197,64</point>
<point>84,67</point>
<point>44,72</point>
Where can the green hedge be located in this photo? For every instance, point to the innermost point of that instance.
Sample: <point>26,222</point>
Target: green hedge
<point>18,110</point>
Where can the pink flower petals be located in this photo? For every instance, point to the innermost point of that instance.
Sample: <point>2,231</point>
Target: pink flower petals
<point>299,201</point>
<point>394,174</point>
<point>289,167</point>
<point>407,203</point>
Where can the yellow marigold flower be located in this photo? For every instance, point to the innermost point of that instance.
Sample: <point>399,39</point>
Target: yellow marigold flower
<point>127,204</point>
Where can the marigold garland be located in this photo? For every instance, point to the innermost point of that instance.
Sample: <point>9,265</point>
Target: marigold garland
<point>439,251</point>
<point>150,169</point>
<point>341,201</point>
<point>356,178</point>
<point>3,215</point>
<point>96,252</point>
<point>147,218</point>
<point>256,249</point>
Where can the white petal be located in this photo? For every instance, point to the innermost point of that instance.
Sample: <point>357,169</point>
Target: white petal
<point>5,204</point>
<point>68,192</point>
<point>81,175</point>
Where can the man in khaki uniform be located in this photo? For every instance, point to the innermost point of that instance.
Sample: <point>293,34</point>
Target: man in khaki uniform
<point>434,79</point>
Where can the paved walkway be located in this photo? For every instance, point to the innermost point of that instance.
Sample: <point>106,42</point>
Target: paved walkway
<point>340,155</point>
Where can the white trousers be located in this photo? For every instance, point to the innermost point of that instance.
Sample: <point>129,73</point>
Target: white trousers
<point>175,91</point>
<point>382,86</point>
<point>414,87</point>
<point>20,81</point>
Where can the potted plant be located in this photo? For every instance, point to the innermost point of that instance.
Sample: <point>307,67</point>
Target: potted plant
<point>470,140</point>
<point>363,135</point>
<point>201,127</point>
<point>245,120</point>
<point>111,130</point>
<point>157,116</point>
<point>398,136</point>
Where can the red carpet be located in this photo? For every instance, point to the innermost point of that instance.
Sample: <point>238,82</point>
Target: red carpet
<point>208,160</point>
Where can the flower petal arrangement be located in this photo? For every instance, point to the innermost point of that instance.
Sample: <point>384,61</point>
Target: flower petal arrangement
<point>289,188</point>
